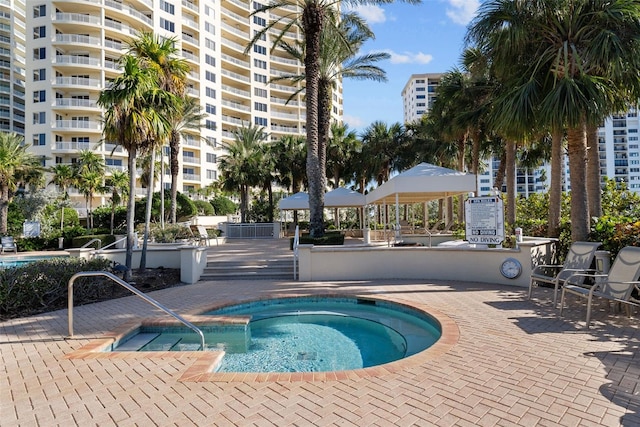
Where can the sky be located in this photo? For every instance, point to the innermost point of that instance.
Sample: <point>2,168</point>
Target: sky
<point>424,38</point>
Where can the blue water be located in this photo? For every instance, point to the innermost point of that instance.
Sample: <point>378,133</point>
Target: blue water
<point>19,261</point>
<point>308,335</point>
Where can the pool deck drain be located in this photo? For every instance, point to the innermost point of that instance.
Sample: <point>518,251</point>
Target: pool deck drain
<point>516,363</point>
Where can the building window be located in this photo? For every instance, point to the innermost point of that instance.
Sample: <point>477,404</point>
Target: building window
<point>260,49</point>
<point>262,93</point>
<point>262,36</point>
<point>257,5</point>
<point>39,74</point>
<point>39,32</point>
<point>211,158</point>
<point>39,139</point>
<point>260,121</point>
<point>421,96</point>
<point>211,125</point>
<point>260,78</point>
<point>39,118</point>
<point>40,53</point>
<point>259,106</point>
<point>209,28</point>
<point>210,44</point>
<point>168,25</point>
<point>211,141</point>
<point>420,89</point>
<point>260,64</point>
<point>39,10</point>
<point>167,7</point>
<point>211,109</point>
<point>259,21</point>
<point>211,174</point>
<point>39,96</point>
<point>210,60</point>
<point>211,93</point>
<point>210,76</point>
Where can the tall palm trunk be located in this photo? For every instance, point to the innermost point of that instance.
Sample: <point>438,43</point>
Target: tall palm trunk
<point>510,165</point>
<point>312,22</point>
<point>593,172</point>
<point>555,187</point>
<point>147,215</point>
<point>174,165</point>
<point>131,209</point>
<point>497,183</point>
<point>4,208</point>
<point>324,126</point>
<point>577,150</point>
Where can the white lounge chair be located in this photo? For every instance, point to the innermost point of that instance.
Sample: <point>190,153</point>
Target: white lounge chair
<point>617,286</point>
<point>578,260</point>
<point>8,244</point>
<point>203,237</point>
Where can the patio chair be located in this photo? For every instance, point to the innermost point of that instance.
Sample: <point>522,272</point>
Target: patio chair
<point>617,286</point>
<point>579,260</point>
<point>8,244</point>
<point>203,237</point>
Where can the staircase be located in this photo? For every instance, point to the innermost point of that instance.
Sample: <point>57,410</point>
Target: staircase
<point>257,269</point>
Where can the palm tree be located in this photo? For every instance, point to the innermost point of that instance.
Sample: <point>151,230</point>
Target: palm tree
<point>384,145</point>
<point>16,165</point>
<point>118,183</point>
<point>565,62</point>
<point>161,54</point>
<point>62,176</point>
<point>89,178</point>
<point>241,165</point>
<point>343,145</point>
<point>311,16</point>
<point>129,119</point>
<point>290,153</point>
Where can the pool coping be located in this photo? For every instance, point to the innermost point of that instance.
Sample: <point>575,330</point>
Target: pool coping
<point>206,361</point>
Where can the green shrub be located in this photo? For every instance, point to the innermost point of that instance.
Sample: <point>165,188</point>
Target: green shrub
<point>329,238</point>
<point>223,206</point>
<point>42,285</point>
<point>204,208</point>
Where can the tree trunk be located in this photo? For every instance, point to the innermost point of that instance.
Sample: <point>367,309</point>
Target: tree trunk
<point>510,167</point>
<point>555,186</point>
<point>131,208</point>
<point>475,158</point>
<point>324,126</point>
<point>147,215</point>
<point>174,165</point>
<point>577,150</point>
<point>499,180</point>
<point>4,209</point>
<point>312,23</point>
<point>594,189</point>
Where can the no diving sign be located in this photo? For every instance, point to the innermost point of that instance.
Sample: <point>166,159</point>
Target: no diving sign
<point>484,220</point>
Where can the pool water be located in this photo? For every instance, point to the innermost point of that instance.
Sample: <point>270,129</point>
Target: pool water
<point>303,335</point>
<point>20,261</point>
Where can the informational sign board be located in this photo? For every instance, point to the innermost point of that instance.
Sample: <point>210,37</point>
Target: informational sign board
<point>484,220</point>
<point>31,229</point>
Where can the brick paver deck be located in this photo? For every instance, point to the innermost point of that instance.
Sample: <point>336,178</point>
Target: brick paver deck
<point>515,363</point>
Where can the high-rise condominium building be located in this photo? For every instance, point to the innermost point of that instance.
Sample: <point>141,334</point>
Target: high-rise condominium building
<point>71,52</point>
<point>12,66</point>
<point>617,144</point>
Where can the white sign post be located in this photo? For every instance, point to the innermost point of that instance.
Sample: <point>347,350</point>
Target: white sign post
<point>484,220</point>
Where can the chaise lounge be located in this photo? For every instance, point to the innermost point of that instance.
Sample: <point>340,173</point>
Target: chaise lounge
<point>8,244</point>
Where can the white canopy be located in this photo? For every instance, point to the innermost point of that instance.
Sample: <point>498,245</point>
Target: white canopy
<point>343,198</point>
<point>422,183</point>
<point>294,202</point>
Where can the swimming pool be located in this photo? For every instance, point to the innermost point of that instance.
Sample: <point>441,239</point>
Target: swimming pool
<point>302,334</point>
<point>19,261</point>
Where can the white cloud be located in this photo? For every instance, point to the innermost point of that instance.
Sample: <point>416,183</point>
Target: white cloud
<point>409,57</point>
<point>370,13</point>
<point>462,11</point>
<point>353,122</point>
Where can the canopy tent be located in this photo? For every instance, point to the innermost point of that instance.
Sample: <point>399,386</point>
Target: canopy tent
<point>422,183</point>
<point>343,198</point>
<point>294,202</point>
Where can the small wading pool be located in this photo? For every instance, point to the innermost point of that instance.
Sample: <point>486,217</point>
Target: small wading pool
<point>19,261</point>
<point>308,334</point>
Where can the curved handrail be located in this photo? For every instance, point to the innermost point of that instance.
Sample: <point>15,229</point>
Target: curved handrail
<point>114,243</point>
<point>92,241</point>
<point>135,291</point>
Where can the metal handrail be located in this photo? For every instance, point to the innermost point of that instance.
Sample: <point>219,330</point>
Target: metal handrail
<point>135,291</point>
<point>114,243</point>
<point>92,241</point>
<point>296,243</point>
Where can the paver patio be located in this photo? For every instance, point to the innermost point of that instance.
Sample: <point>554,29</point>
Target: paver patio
<point>515,363</point>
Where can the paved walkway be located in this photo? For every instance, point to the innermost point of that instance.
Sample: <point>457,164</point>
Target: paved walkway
<point>516,364</point>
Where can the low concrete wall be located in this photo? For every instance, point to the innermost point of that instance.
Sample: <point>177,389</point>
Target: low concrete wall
<point>191,260</point>
<point>437,263</point>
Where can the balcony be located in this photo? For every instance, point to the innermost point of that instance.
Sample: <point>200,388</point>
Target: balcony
<point>76,60</point>
<point>78,39</point>
<point>231,59</point>
<point>190,5</point>
<point>74,103</point>
<point>128,10</point>
<point>235,76</point>
<point>190,177</point>
<point>235,105</point>
<point>239,92</point>
<point>77,124</point>
<point>71,146</point>
<point>77,18</point>
<point>78,81</point>
<point>191,160</point>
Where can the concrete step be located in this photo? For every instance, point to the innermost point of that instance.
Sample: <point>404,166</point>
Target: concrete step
<point>272,269</point>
